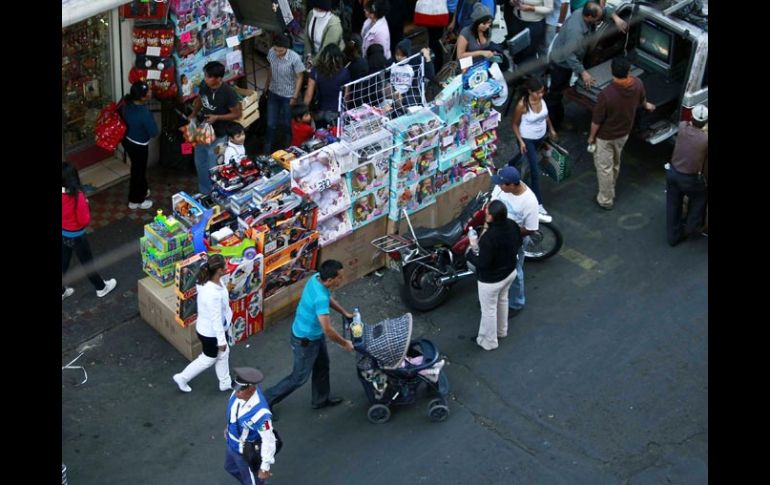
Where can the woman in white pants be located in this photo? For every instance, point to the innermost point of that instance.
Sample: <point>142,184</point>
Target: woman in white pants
<point>494,257</point>
<point>214,318</point>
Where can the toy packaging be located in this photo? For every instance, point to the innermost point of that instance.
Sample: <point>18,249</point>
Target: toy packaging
<point>331,200</point>
<point>369,207</point>
<point>166,238</point>
<point>186,311</point>
<point>186,208</point>
<point>454,138</point>
<point>163,275</point>
<point>300,262</point>
<point>456,157</point>
<point>269,188</point>
<point>186,275</point>
<point>243,276</point>
<point>315,171</point>
<point>415,132</point>
<point>404,172</point>
<point>368,176</point>
<point>426,163</point>
<point>334,228</point>
<point>291,253</point>
<point>450,102</point>
<point>285,157</point>
<point>406,198</point>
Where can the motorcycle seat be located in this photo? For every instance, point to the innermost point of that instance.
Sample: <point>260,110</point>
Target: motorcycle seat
<point>447,234</point>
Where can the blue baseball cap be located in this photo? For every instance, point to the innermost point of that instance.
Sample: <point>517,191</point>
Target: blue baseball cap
<point>507,175</point>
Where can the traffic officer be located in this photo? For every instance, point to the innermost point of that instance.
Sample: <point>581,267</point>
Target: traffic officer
<point>251,440</point>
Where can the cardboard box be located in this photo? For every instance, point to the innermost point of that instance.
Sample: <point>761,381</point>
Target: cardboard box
<point>284,302</point>
<point>157,307</point>
<point>450,203</point>
<point>355,251</point>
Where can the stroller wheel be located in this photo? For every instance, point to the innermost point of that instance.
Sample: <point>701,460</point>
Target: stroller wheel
<point>438,412</point>
<point>435,402</point>
<point>378,413</point>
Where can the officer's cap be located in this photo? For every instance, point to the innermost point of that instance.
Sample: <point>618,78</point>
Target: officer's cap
<point>247,376</point>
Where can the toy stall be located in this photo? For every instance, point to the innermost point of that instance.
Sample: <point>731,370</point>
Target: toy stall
<point>274,218</point>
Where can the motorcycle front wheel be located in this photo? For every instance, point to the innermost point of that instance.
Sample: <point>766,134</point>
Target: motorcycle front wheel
<point>422,290</point>
<point>544,243</point>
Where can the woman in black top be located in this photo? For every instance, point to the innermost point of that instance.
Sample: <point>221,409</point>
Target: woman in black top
<point>495,262</point>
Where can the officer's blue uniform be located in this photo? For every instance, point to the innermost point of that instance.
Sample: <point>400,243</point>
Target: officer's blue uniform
<point>244,420</point>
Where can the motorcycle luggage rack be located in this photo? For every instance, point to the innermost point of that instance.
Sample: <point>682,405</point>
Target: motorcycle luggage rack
<point>391,242</point>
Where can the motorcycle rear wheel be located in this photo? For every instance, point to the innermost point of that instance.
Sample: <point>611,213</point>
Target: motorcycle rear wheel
<point>422,290</point>
<point>544,243</point>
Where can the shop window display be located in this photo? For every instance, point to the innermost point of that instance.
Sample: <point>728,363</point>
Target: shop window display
<point>86,79</point>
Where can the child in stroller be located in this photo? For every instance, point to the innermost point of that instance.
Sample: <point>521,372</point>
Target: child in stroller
<point>391,368</point>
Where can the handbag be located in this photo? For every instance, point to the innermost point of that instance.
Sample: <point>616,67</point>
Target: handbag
<point>556,162</point>
<point>110,128</point>
<point>431,13</point>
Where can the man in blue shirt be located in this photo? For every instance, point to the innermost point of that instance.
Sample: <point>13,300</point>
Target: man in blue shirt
<point>311,324</point>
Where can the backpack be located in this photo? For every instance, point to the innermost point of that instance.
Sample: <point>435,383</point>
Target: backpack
<point>110,128</point>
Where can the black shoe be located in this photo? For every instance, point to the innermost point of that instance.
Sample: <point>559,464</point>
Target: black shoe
<point>332,401</point>
<point>513,312</point>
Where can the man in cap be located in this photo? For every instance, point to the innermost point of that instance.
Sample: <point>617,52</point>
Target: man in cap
<point>251,441</point>
<point>311,326</point>
<point>522,207</point>
<point>686,176</point>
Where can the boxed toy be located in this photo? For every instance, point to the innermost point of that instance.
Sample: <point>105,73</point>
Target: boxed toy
<point>415,132</point>
<point>455,157</point>
<point>294,269</point>
<point>165,239</point>
<point>277,208</point>
<point>450,102</point>
<point>369,207</point>
<point>403,172</point>
<point>163,275</point>
<point>425,191</point>
<point>454,138</point>
<point>292,252</point>
<point>368,176</point>
<point>285,157</point>
<point>334,227</point>
<point>243,276</point>
<point>163,259</point>
<point>254,312</point>
<point>426,163</point>
<point>270,188</point>
<point>187,208</point>
<point>186,311</point>
<point>239,328</point>
<point>315,171</point>
<point>332,199</point>
<point>406,198</point>
<point>186,275</point>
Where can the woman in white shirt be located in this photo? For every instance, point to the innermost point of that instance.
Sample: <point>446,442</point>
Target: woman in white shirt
<point>375,30</point>
<point>531,123</point>
<point>214,318</point>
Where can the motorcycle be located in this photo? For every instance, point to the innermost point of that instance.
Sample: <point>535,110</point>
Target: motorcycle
<point>432,260</point>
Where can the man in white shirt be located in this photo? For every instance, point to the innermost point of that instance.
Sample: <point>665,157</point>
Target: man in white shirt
<point>523,210</point>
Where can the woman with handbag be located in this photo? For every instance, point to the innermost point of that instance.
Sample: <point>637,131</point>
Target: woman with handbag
<point>75,217</point>
<point>531,124</point>
<point>141,129</point>
<point>474,41</point>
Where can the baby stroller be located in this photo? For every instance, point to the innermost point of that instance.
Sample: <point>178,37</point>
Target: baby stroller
<point>391,368</point>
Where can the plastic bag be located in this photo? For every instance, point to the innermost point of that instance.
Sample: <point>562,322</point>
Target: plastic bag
<point>189,130</point>
<point>110,127</point>
<point>205,134</point>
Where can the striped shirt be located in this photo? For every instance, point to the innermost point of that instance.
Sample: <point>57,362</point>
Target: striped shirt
<point>284,71</point>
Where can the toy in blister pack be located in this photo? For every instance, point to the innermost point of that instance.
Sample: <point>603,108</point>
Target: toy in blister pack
<point>254,312</point>
<point>186,311</point>
<point>243,276</point>
<point>332,199</point>
<point>381,200</point>
<point>215,13</point>
<point>407,198</point>
<point>426,163</point>
<point>301,261</point>
<point>450,101</point>
<point>185,207</point>
<point>425,191</point>
<point>362,210</point>
<point>213,41</point>
<point>189,43</point>
<point>476,75</point>
<point>404,172</point>
<point>272,187</point>
<point>179,7</point>
<point>416,132</point>
<point>315,171</point>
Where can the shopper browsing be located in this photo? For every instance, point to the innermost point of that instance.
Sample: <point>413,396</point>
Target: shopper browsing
<point>141,129</point>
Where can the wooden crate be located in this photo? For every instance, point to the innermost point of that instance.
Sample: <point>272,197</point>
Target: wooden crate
<point>356,252</point>
<point>157,306</point>
<point>283,303</point>
<point>249,106</point>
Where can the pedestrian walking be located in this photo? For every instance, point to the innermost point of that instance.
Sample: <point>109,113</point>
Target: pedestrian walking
<point>311,326</point>
<point>75,217</point>
<point>214,319</point>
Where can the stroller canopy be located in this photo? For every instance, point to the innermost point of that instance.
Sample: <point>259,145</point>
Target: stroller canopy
<point>388,340</point>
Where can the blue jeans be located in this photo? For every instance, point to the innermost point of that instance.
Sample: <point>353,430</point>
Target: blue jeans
<point>205,160</point>
<point>237,466</point>
<point>278,113</point>
<point>534,167</point>
<point>516,293</point>
<point>312,358</point>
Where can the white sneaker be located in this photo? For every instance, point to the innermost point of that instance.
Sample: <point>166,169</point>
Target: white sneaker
<point>109,285</point>
<point>226,389</point>
<point>147,196</point>
<point>541,210</point>
<point>144,205</point>
<point>181,383</point>
<point>67,293</point>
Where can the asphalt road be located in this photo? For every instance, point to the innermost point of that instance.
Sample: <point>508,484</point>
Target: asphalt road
<point>602,378</point>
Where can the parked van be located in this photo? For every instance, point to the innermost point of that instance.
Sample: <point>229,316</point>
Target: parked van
<point>669,51</point>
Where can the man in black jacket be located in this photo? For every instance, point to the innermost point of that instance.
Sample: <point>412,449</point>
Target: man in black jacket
<point>495,262</point>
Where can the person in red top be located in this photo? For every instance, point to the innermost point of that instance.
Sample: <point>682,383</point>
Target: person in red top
<point>75,216</point>
<point>301,125</point>
<point>611,124</point>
